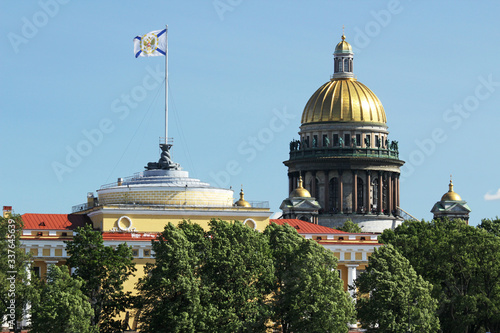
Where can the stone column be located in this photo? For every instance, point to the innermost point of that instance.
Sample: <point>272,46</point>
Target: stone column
<point>351,276</point>
<point>290,183</point>
<point>389,194</point>
<point>313,184</point>
<point>341,192</point>
<point>380,187</point>
<point>397,191</point>
<point>326,205</point>
<point>355,198</point>
<point>368,191</point>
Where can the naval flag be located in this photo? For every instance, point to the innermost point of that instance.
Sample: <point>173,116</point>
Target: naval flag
<point>151,44</point>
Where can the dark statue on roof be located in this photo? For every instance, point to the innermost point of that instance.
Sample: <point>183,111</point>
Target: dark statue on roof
<point>165,162</point>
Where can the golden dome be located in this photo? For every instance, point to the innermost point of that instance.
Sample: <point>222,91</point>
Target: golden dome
<point>345,100</point>
<point>300,192</point>
<point>450,195</point>
<point>242,202</point>
<point>343,46</point>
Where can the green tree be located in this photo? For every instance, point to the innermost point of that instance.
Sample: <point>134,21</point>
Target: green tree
<point>308,294</point>
<point>61,306</point>
<point>170,291</point>
<point>392,297</point>
<point>350,226</point>
<point>491,225</point>
<point>237,273</point>
<point>103,269</point>
<point>462,263</point>
<point>213,281</point>
<point>15,290</point>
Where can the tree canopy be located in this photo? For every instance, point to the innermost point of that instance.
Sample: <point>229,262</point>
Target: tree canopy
<point>308,295</point>
<point>235,279</point>
<point>350,226</point>
<point>61,306</point>
<point>392,297</point>
<point>462,263</point>
<point>103,270</point>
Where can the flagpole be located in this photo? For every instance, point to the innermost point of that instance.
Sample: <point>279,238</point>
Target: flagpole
<point>166,84</point>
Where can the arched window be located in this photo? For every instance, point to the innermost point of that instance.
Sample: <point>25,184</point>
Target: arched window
<point>350,64</point>
<point>304,218</point>
<point>336,65</point>
<point>340,65</point>
<point>361,197</point>
<point>333,191</point>
<point>346,65</point>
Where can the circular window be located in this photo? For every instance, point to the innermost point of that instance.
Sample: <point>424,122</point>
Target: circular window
<point>250,223</point>
<point>124,223</point>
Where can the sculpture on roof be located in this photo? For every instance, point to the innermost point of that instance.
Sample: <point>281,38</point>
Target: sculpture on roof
<point>165,162</point>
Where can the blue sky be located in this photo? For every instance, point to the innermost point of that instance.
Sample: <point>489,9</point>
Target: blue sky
<point>240,74</point>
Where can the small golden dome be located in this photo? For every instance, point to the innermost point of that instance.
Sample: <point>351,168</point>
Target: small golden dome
<point>242,202</point>
<point>450,195</point>
<point>343,46</point>
<point>345,100</point>
<point>300,192</point>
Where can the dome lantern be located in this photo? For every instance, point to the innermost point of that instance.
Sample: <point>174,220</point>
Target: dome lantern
<point>343,60</point>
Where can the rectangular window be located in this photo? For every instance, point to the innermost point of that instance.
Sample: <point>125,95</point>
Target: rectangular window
<point>325,140</point>
<point>358,140</point>
<point>377,143</point>
<point>315,141</point>
<point>135,253</point>
<point>147,253</point>
<point>335,140</point>
<point>347,140</point>
<point>36,271</point>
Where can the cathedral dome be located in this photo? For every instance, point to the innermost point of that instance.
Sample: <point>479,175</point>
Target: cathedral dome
<point>451,195</point>
<point>343,100</point>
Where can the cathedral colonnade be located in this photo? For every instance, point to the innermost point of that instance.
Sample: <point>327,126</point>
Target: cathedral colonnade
<point>351,191</point>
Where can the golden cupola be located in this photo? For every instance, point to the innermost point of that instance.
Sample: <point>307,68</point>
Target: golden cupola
<point>300,191</point>
<point>451,195</point>
<point>242,202</point>
<point>343,98</point>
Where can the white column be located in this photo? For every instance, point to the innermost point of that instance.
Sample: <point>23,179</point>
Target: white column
<point>52,252</point>
<point>351,276</point>
<point>141,251</point>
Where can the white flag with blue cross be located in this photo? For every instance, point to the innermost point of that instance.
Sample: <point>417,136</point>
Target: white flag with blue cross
<point>151,44</point>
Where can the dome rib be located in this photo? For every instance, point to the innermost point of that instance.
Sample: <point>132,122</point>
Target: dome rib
<point>343,100</point>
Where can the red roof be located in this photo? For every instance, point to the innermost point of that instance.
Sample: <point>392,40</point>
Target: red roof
<point>307,227</point>
<point>54,221</point>
<point>135,236</point>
